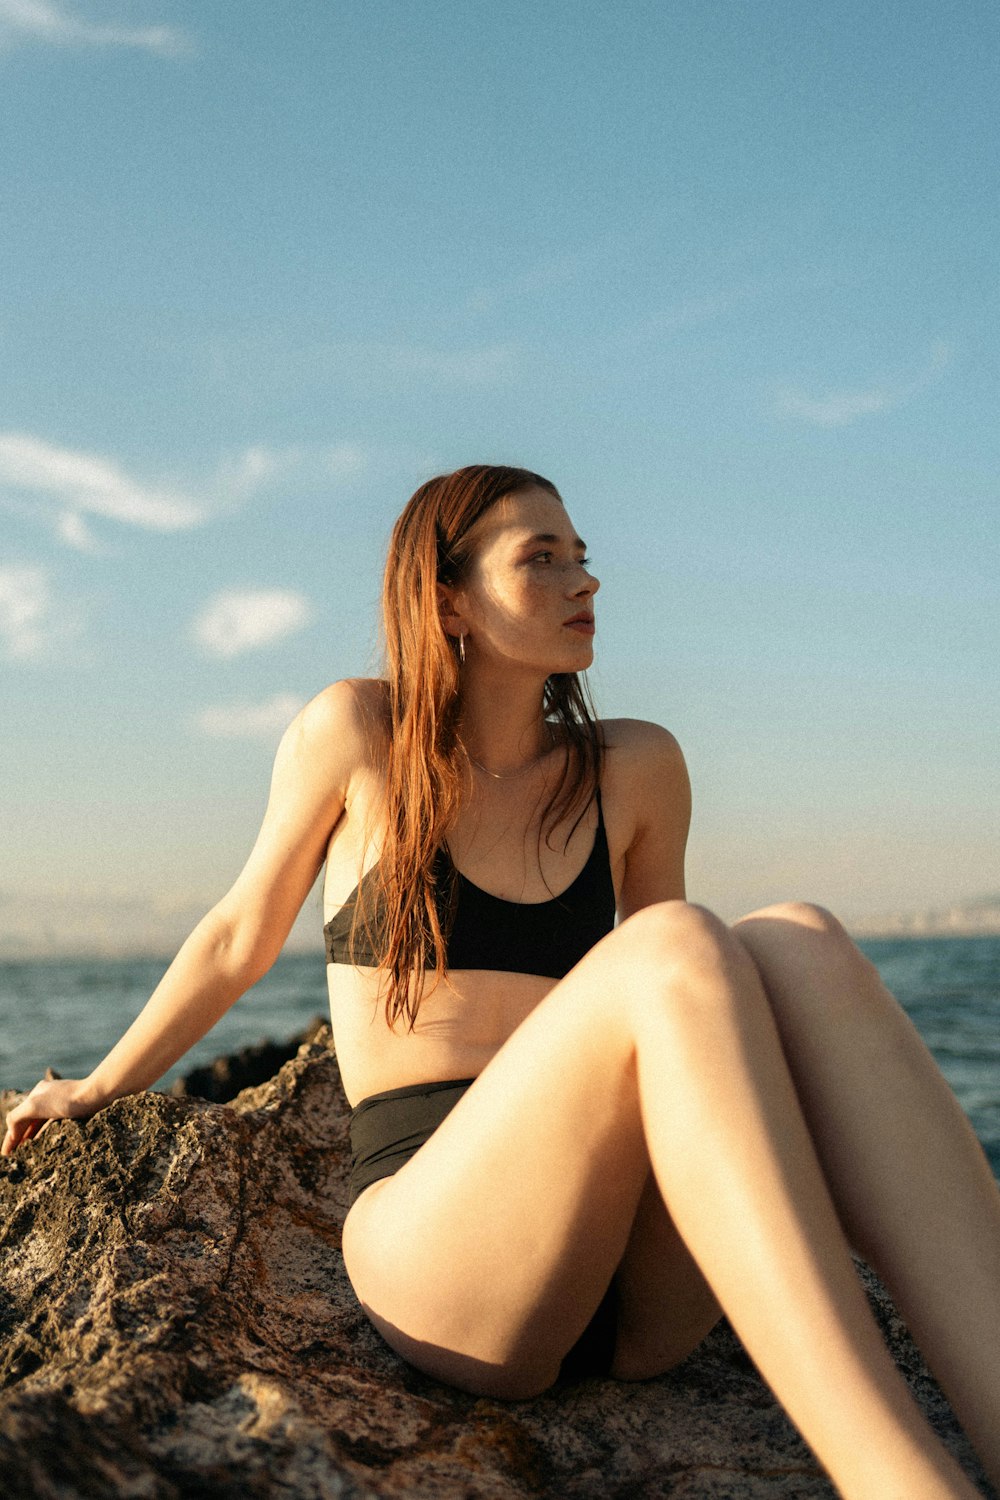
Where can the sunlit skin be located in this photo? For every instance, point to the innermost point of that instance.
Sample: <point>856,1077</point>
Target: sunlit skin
<point>528,581</point>
<point>711,1113</point>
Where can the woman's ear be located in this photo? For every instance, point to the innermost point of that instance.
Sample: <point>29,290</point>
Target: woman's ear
<point>452,621</point>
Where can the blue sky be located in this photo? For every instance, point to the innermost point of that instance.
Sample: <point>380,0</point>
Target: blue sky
<point>726,273</point>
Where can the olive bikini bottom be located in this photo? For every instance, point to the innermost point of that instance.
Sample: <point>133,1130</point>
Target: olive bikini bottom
<point>387,1129</point>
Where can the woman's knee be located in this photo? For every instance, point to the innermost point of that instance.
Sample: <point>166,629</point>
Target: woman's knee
<point>801,915</point>
<point>676,947</point>
<point>800,948</point>
<point>797,928</point>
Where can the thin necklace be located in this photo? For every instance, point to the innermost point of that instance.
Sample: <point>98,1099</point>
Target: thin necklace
<point>511,775</point>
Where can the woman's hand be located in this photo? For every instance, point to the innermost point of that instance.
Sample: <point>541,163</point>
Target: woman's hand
<point>51,1099</point>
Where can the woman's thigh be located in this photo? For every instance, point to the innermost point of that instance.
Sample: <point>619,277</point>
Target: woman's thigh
<point>482,1260</point>
<point>665,1305</point>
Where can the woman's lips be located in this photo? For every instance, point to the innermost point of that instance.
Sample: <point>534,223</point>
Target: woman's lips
<point>582,623</point>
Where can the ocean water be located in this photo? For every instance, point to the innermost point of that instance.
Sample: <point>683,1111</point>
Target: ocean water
<point>950,988</point>
<point>66,1013</point>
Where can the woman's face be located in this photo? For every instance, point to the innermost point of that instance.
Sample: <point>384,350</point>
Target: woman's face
<point>527,598</point>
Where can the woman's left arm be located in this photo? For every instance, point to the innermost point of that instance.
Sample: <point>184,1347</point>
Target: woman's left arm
<point>652,782</point>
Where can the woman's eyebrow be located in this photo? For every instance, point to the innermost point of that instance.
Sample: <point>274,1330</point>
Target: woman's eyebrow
<point>549,537</point>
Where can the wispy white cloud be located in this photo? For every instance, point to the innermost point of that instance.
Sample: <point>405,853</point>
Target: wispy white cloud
<point>839,407</point>
<point>659,323</point>
<point>241,474</point>
<point>66,490</point>
<point>267,720</point>
<point>607,256</point>
<point>240,620</point>
<point>45,21</point>
<point>344,460</point>
<point>259,466</point>
<point>32,622</point>
<point>72,529</point>
<point>79,484</point>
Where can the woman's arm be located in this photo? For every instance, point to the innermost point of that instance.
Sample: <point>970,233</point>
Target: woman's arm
<point>652,781</point>
<point>239,939</point>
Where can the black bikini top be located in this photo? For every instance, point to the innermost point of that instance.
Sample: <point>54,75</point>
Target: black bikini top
<point>514,937</point>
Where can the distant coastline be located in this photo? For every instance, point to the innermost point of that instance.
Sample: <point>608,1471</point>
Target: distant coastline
<point>60,926</point>
<point>55,925</point>
<point>980,917</point>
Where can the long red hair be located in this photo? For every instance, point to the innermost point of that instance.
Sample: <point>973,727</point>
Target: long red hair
<point>427,766</point>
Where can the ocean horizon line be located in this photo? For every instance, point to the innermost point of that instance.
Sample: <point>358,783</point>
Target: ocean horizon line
<point>915,926</point>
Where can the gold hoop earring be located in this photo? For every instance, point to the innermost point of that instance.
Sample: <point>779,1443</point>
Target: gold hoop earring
<point>461,649</point>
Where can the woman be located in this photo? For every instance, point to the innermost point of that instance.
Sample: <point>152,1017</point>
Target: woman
<point>576,1142</point>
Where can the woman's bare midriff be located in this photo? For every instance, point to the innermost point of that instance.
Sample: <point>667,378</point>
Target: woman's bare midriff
<point>459,1027</point>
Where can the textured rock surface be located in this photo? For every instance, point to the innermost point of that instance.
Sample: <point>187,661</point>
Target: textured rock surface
<point>176,1322</point>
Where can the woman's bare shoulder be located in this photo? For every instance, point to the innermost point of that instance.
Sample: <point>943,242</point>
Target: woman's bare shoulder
<point>343,728</point>
<point>648,797</point>
<point>645,773</point>
<point>638,744</point>
<point>355,706</point>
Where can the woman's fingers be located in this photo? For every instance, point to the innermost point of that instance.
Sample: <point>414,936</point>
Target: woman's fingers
<point>15,1134</point>
<point>51,1099</point>
<point>21,1125</point>
<point>19,1131</point>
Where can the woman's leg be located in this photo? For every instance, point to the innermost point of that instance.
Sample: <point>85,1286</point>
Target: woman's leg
<point>665,1305</point>
<point>483,1258</point>
<point>909,1179</point>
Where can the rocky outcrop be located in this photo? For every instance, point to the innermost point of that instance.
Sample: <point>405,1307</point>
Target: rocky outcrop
<point>225,1077</point>
<point>176,1322</point>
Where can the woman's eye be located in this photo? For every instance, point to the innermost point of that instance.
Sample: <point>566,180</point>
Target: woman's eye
<point>547,557</point>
